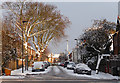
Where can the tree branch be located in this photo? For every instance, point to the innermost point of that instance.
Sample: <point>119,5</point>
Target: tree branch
<point>37,33</point>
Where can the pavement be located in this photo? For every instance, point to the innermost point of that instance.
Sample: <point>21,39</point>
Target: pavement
<point>58,81</point>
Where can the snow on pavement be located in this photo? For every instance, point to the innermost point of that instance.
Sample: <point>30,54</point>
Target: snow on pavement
<point>19,71</point>
<point>101,75</point>
<point>56,69</point>
<point>17,74</point>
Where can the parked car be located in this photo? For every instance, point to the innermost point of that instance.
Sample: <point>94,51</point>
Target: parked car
<point>61,64</point>
<point>71,65</point>
<point>82,68</point>
<point>46,64</point>
<point>38,66</point>
<point>65,64</point>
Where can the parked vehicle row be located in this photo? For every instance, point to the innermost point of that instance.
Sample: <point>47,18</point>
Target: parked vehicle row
<point>40,66</point>
<point>65,64</point>
<point>80,68</point>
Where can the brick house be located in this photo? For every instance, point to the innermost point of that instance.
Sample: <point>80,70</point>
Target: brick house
<point>115,59</point>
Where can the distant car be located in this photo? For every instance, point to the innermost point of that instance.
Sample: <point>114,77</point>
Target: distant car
<point>38,66</point>
<point>71,65</point>
<point>60,64</point>
<point>48,63</point>
<point>82,68</point>
<point>65,64</point>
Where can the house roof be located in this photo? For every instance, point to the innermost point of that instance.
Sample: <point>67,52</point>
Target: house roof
<point>54,55</point>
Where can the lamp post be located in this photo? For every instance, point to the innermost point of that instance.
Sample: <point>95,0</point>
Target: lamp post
<point>22,46</point>
<point>67,50</point>
<point>77,48</point>
<point>22,50</point>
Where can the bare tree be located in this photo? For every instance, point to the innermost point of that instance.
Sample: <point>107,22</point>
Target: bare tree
<point>55,23</point>
<point>10,44</point>
<point>37,21</point>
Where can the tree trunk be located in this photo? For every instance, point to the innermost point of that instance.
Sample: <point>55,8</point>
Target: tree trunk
<point>100,57</point>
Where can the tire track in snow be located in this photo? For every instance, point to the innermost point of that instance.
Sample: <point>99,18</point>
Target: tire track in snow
<point>56,69</point>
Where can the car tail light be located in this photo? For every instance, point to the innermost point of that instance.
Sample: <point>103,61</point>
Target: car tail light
<point>32,65</point>
<point>42,65</point>
<point>62,64</point>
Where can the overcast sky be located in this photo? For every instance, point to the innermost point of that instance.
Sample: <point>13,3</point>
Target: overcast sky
<point>81,15</point>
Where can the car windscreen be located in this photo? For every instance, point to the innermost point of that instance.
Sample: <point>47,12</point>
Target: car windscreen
<point>71,63</point>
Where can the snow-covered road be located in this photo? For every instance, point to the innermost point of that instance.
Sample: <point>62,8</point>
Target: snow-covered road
<point>56,69</point>
<point>57,73</point>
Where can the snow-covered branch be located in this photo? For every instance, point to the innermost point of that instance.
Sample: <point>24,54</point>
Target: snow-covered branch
<point>37,33</point>
<point>18,27</point>
<point>95,48</point>
<point>29,30</point>
<point>18,34</point>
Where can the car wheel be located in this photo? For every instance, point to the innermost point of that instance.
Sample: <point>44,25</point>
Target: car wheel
<point>43,70</point>
<point>33,70</point>
<point>89,73</point>
<point>72,68</point>
<point>79,72</point>
<point>75,71</point>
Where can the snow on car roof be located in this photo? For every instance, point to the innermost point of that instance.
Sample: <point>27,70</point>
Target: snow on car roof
<point>39,62</point>
<point>71,62</point>
<point>82,65</point>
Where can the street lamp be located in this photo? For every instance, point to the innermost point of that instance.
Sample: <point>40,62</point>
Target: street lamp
<point>77,48</point>
<point>22,46</point>
<point>67,50</point>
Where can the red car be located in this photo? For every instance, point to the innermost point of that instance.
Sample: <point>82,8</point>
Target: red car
<point>61,64</point>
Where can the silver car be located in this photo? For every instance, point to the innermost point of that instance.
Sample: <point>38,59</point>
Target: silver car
<point>82,68</point>
<point>70,65</point>
<point>38,66</point>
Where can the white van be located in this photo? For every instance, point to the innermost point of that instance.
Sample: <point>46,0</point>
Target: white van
<point>38,66</point>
